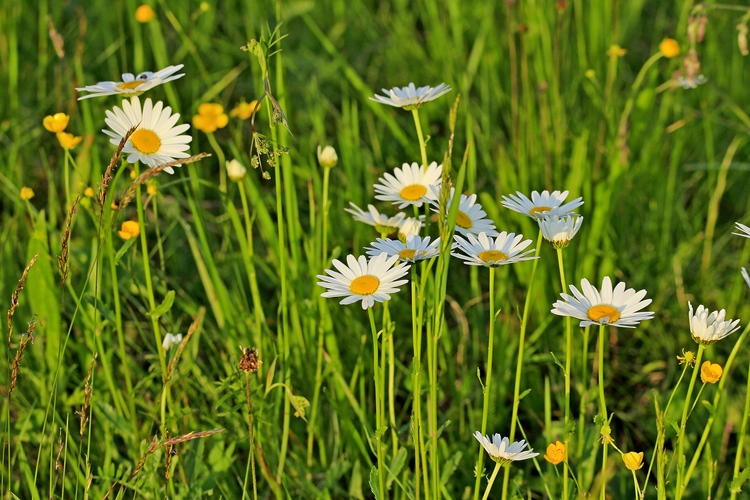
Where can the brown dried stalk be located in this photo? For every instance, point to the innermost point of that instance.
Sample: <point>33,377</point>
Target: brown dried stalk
<point>14,297</point>
<point>193,328</point>
<point>153,172</point>
<point>87,389</point>
<point>62,259</point>
<point>192,435</point>
<point>107,177</point>
<point>26,338</point>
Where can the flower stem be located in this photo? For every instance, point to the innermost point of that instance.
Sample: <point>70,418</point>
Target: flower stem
<point>743,430</point>
<point>568,356</point>
<point>603,410</point>
<point>492,480</point>
<point>222,162</point>
<point>679,487</point>
<point>584,390</point>
<point>422,144</point>
<point>378,405</point>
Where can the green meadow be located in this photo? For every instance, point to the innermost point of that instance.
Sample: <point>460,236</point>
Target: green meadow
<point>166,333</point>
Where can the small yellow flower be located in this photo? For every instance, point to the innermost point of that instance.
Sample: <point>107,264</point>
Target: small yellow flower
<point>151,189</point>
<point>633,460</point>
<point>132,174</point>
<point>144,14</point>
<point>68,141</point>
<point>56,123</point>
<point>327,157</point>
<point>245,110</point>
<point>210,117</point>
<point>669,48</point>
<point>88,192</point>
<point>710,372</point>
<point>27,193</point>
<point>616,51</point>
<point>590,74</point>
<point>687,357</point>
<point>555,453</point>
<point>129,229</point>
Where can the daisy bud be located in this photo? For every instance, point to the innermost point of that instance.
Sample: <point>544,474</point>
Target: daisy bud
<point>327,157</point>
<point>742,38</point>
<point>710,372</point>
<point>235,170</point>
<point>408,227</point>
<point>555,453</point>
<point>171,339</point>
<point>633,460</point>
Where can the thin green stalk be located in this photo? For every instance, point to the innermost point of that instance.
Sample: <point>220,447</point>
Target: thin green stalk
<point>422,144</point>
<point>679,486</point>
<point>584,390</point>
<point>487,490</point>
<point>621,129</point>
<point>741,437</point>
<point>260,317</point>
<point>388,352</point>
<point>637,488</point>
<point>251,462</point>
<point>519,362</point>
<point>378,405</point>
<point>603,411</point>
<point>220,157</point>
<point>487,389</point>
<point>568,356</point>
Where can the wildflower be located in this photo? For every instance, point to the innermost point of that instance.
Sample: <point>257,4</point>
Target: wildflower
<point>26,193</point>
<point>616,51</point>
<point>669,48</point>
<point>632,460</point>
<point>171,339</point>
<point>409,226</point>
<point>131,85</point>
<point>151,189</point>
<point>502,451</point>
<point>157,139</point>
<point>68,141</point>
<point>742,39</point>
<point>507,248</point>
<point>245,110</point>
<point>470,218</point>
<point>327,157</point>
<point>745,231</point>
<point>56,123</point>
<point>235,170</point>
<point>708,328</point>
<point>144,13</point>
<point>413,249</point>
<point>411,97</point>
<point>383,223</point>
<point>746,276</point>
<point>412,185</point>
<point>88,192</point>
<point>370,281</point>
<point>249,362</point>
<point>559,231</point>
<point>687,357</point>
<point>210,117</point>
<point>710,372</point>
<point>555,453</point>
<point>616,307</point>
<point>129,229</point>
<point>541,205</point>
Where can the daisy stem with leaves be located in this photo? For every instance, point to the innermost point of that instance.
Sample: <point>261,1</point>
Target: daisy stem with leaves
<point>487,389</point>
<point>741,438</point>
<point>519,362</point>
<point>422,143</point>
<point>568,356</point>
<point>379,431</point>
<point>679,487</point>
<point>605,431</point>
<point>487,490</point>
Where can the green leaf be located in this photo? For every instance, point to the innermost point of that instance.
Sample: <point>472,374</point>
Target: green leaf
<point>524,394</point>
<point>105,311</point>
<point>737,482</point>
<point>165,306</point>
<point>374,483</point>
<point>394,469</point>
<point>709,407</point>
<point>124,248</point>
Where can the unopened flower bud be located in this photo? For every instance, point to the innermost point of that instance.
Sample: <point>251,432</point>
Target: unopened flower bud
<point>327,157</point>
<point>235,170</point>
<point>742,38</point>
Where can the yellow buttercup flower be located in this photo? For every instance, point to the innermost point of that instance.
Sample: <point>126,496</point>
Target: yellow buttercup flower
<point>144,14</point>
<point>129,229</point>
<point>555,453</point>
<point>56,123</point>
<point>245,110</point>
<point>669,48</point>
<point>210,117</point>
<point>710,372</point>
<point>27,193</point>
<point>151,189</point>
<point>68,141</point>
<point>633,460</point>
<point>88,192</point>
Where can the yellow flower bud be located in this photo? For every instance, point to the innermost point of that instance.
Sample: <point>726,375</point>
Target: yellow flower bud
<point>633,460</point>
<point>710,372</point>
<point>555,453</point>
<point>245,110</point>
<point>27,193</point>
<point>669,47</point>
<point>56,123</point>
<point>129,229</point>
<point>144,14</point>
<point>151,189</point>
<point>88,192</point>
<point>68,141</point>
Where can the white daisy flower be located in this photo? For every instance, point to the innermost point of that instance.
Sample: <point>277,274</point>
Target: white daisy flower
<point>414,249</point>
<point>130,85</point>
<point>542,204</point>
<point>559,231</point>
<point>410,226</point>
<point>616,307</point>
<point>501,450</point>
<point>470,218</point>
<point>746,276</point>
<point>157,140</point>
<point>745,231</point>
<point>507,248</point>
<point>708,328</point>
<point>171,339</point>
<point>411,184</point>
<point>410,97</point>
<point>383,223</point>
<point>369,281</point>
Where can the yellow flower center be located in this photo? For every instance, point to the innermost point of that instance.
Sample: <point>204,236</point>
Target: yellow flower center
<point>130,85</point>
<point>596,313</point>
<point>364,285</point>
<point>407,253</point>
<point>145,141</point>
<point>463,221</point>
<point>539,210</point>
<point>492,256</point>
<point>413,192</point>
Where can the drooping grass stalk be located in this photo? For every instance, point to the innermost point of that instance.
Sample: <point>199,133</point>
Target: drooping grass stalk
<point>603,411</point>
<point>487,389</point>
<point>422,144</point>
<point>519,361</point>
<point>379,403</point>
<point>741,437</point>
<point>568,357</point>
<point>679,485</point>
<point>487,490</point>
